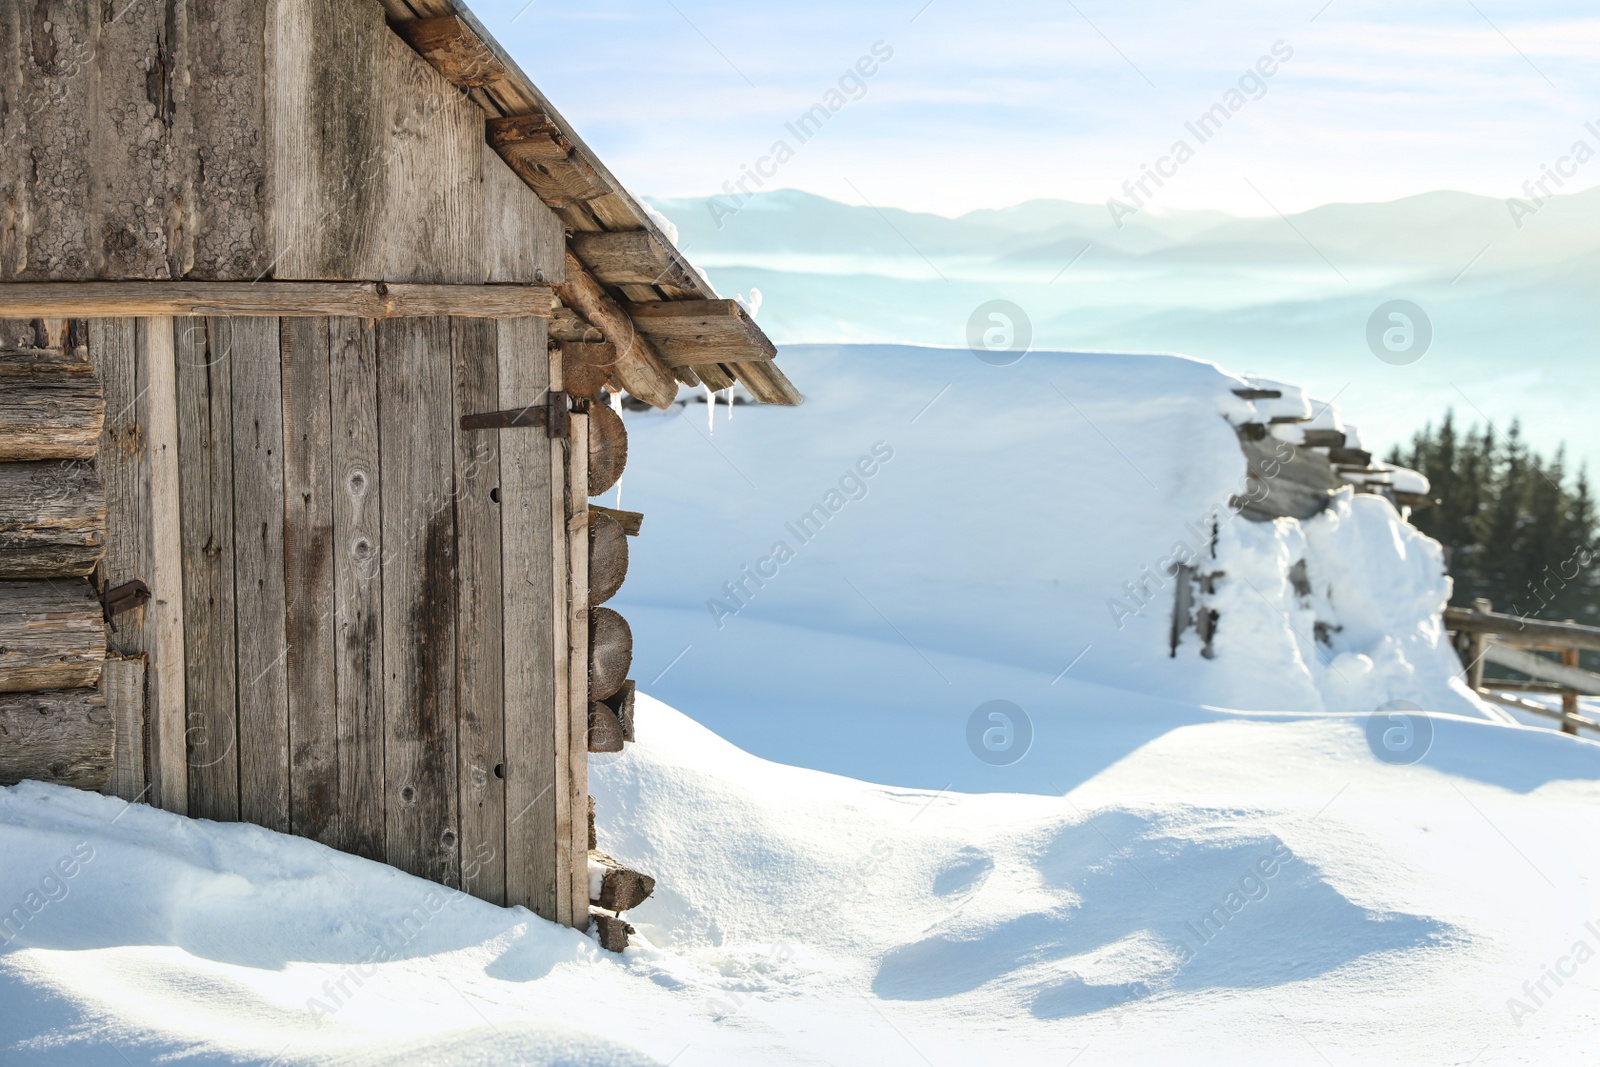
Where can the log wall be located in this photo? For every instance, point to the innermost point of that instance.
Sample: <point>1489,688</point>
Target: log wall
<point>54,723</point>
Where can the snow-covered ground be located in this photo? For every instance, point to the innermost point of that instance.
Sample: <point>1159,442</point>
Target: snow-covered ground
<point>1254,889</point>
<point>1144,858</point>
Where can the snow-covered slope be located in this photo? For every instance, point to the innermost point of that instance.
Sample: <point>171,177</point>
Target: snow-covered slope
<point>1009,520</point>
<point>1161,859</point>
<point>1251,889</point>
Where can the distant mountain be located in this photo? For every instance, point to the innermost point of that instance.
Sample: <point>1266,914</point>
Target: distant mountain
<point>1514,322</point>
<point>1443,229</point>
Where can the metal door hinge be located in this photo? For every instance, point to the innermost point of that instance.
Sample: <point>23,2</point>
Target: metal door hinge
<point>552,414</point>
<point>114,600</point>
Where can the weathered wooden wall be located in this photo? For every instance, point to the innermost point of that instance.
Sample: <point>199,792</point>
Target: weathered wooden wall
<point>374,599</point>
<point>295,139</point>
<point>366,625</point>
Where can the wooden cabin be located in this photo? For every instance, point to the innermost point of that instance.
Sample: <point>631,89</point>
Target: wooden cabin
<point>309,315</point>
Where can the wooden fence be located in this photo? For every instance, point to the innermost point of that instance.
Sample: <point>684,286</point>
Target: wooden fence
<point>1513,642</point>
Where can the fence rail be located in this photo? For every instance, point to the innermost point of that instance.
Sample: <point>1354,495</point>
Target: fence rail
<point>1483,635</point>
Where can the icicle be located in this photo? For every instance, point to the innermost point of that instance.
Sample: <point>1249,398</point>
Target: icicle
<point>728,399</point>
<point>711,410</point>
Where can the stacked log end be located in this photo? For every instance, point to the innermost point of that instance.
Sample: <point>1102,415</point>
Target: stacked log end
<point>54,723</point>
<point>613,887</point>
<point>610,930</point>
<point>610,652</point>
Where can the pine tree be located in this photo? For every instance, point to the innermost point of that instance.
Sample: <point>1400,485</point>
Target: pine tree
<point>1514,531</point>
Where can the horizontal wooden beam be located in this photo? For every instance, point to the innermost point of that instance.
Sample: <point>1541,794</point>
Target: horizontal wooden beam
<point>614,887</point>
<point>631,257</point>
<point>610,930</point>
<point>586,366</point>
<point>1322,438</point>
<point>631,521</point>
<point>610,652</point>
<point>688,332</point>
<point>451,47</point>
<point>605,731</point>
<point>357,300</point>
<point>542,155</point>
<point>1516,630</point>
<point>1536,666</point>
<point>568,325</point>
<point>1488,693</point>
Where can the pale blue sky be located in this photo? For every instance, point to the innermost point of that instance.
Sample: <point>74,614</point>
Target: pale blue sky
<point>986,105</point>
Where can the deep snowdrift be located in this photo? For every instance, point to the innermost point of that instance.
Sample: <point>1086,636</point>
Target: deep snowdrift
<point>1252,889</point>
<point>1006,511</point>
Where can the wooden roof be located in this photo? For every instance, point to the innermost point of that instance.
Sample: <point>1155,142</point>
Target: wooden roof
<point>628,291</point>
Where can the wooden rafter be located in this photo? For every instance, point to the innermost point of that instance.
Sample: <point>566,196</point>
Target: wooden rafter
<point>690,332</point>
<point>639,368</point>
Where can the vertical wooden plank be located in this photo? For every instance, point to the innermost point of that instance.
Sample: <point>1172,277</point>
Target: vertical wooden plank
<point>120,462</point>
<point>534,573</point>
<point>163,617</point>
<point>225,212</point>
<point>205,478</point>
<point>479,669</point>
<point>308,577</point>
<point>124,471</point>
<point>523,240</point>
<point>573,827</point>
<point>50,219</point>
<point>566,689</point>
<point>358,588</point>
<point>122,686</point>
<point>328,148</point>
<point>15,166</point>
<point>432,230</point>
<point>137,463</point>
<point>141,146</point>
<point>258,562</point>
<point>419,595</point>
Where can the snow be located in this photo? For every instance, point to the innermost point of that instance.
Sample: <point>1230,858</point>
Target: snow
<point>667,227</point>
<point>751,303</point>
<point>1293,404</point>
<point>1313,847</point>
<point>1252,886</point>
<point>989,553</point>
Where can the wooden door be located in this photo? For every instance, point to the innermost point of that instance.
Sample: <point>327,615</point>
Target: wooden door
<point>376,621</point>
